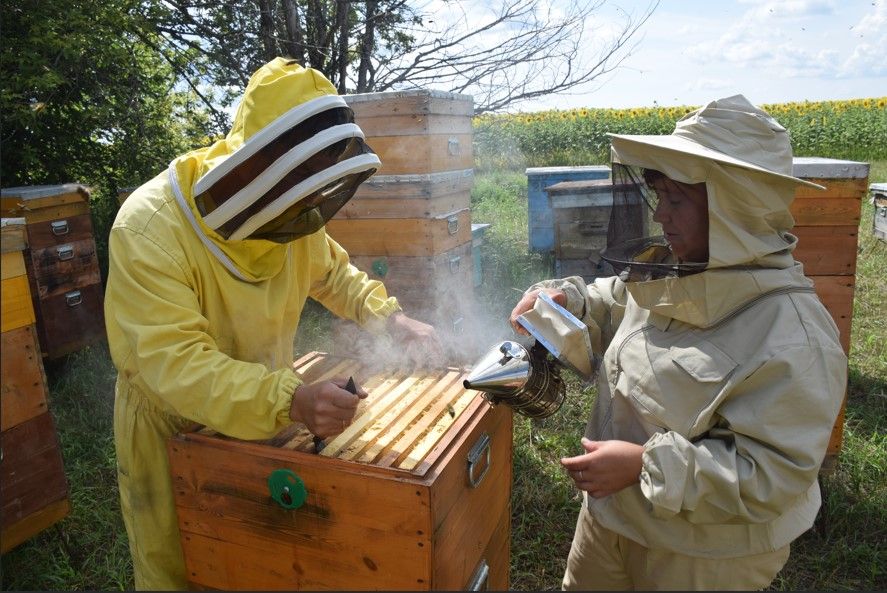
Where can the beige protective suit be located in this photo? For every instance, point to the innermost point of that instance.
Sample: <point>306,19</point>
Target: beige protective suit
<point>730,378</point>
<point>201,329</point>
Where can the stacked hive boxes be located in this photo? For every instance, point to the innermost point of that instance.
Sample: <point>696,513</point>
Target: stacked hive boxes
<point>827,227</point>
<point>62,265</point>
<point>33,489</point>
<point>410,224</point>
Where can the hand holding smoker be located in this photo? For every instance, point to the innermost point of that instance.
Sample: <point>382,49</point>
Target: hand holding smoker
<point>529,379</point>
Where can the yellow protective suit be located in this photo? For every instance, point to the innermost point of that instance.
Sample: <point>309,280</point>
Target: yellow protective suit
<point>731,379</point>
<point>202,329</point>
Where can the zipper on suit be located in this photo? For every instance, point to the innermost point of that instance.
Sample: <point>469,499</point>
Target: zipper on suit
<point>621,346</point>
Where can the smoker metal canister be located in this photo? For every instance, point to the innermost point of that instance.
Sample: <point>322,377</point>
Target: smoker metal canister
<point>527,380</point>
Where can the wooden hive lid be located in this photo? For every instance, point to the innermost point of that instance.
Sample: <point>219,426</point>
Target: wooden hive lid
<point>406,423</point>
<point>20,200</point>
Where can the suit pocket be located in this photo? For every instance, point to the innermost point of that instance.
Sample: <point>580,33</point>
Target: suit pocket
<point>685,385</point>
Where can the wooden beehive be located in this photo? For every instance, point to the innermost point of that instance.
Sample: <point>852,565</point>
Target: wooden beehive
<point>410,225</point>
<point>580,217</point>
<point>827,227</point>
<point>33,488</point>
<point>62,264</point>
<point>413,495</point>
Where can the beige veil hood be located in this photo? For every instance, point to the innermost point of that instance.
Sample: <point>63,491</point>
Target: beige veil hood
<point>744,157</point>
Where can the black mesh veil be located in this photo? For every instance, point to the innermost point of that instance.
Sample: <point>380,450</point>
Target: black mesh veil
<point>636,247</point>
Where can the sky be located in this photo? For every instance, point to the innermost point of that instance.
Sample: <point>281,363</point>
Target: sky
<point>771,51</point>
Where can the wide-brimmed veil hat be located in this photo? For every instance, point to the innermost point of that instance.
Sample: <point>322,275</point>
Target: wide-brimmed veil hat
<point>731,131</point>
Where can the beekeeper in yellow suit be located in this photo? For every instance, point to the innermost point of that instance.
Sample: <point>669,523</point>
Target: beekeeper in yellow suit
<point>210,266</point>
<point>720,372</point>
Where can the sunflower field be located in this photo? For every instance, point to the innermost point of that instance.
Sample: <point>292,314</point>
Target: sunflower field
<point>855,129</point>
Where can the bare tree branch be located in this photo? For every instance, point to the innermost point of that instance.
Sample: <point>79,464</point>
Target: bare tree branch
<point>502,52</point>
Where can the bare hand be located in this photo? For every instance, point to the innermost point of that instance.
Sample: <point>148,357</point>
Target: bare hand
<point>325,408</point>
<point>529,300</point>
<point>420,340</point>
<point>606,467</point>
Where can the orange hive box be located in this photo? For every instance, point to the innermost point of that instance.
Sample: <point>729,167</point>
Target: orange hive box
<point>413,495</point>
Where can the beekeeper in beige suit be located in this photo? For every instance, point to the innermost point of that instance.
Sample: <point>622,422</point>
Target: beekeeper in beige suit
<point>720,372</point>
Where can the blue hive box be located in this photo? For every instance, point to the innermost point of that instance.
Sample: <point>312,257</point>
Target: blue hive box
<point>541,219</point>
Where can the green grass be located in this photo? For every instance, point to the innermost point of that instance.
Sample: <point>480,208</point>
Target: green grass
<point>88,549</point>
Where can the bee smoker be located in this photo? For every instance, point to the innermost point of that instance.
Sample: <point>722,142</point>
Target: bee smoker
<point>529,379</point>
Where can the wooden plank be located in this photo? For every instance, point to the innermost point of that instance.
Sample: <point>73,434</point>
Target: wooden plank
<point>31,473</point>
<point>33,524</point>
<point>62,268</point>
<point>413,124</point>
<point>54,212</point>
<point>836,293</point>
<point>17,308</point>
<point>826,250</point>
<point>12,264</point>
<point>434,153</point>
<point>24,201</point>
<point>383,105</point>
<point>23,392</point>
<point>425,186</point>
<point>388,427</point>
<point>14,235</point>
<point>352,528</point>
<point>398,450</point>
<point>445,419</point>
<point>384,397</point>
<point>826,212</point>
<point>461,534</point>
<point>404,236</point>
<point>405,207</point>
<point>422,276</point>
<point>498,553</point>
<point>846,188</point>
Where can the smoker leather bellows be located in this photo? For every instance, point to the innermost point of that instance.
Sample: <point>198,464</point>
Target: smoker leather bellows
<point>527,380</point>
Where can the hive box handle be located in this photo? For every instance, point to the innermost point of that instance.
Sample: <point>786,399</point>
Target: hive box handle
<point>480,449</point>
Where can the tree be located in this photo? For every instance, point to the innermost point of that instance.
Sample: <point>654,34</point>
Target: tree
<point>85,100</point>
<point>502,52</point>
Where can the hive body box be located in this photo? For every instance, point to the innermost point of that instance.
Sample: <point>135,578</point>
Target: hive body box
<point>33,488</point>
<point>414,495</point>
<point>827,227</point>
<point>62,265</point>
<point>581,214</point>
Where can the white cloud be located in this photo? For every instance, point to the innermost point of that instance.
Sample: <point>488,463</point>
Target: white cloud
<point>786,39</point>
<point>708,85</point>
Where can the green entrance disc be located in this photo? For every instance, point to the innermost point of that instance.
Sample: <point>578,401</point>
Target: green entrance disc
<point>287,489</point>
<point>380,267</point>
